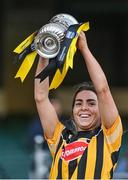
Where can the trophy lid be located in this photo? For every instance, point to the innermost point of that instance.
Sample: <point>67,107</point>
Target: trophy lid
<point>64,19</point>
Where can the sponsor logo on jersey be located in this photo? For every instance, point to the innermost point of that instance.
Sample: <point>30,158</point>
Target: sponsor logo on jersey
<point>73,150</point>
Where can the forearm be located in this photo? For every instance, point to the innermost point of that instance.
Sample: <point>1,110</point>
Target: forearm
<point>46,111</point>
<point>95,71</point>
<point>41,88</point>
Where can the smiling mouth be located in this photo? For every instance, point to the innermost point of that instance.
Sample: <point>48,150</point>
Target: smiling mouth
<point>84,115</point>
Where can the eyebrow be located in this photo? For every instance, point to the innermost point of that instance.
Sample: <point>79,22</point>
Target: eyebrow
<point>88,100</point>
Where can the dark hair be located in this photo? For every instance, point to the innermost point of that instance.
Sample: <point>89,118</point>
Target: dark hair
<point>81,87</point>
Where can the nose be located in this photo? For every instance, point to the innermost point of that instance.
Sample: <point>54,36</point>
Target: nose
<point>84,107</point>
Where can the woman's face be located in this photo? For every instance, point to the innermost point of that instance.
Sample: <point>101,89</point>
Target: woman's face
<point>86,111</point>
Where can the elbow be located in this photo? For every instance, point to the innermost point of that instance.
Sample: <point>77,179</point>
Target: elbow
<point>37,98</point>
<point>103,89</point>
<point>40,97</point>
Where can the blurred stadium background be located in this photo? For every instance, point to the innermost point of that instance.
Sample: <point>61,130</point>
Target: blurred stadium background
<point>107,39</point>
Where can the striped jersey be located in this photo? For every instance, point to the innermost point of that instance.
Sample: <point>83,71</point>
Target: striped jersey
<point>87,155</point>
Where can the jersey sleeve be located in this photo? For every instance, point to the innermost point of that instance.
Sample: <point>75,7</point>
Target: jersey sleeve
<point>53,142</point>
<point>113,135</point>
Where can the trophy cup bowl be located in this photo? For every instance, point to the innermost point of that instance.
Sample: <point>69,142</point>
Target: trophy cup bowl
<point>47,41</point>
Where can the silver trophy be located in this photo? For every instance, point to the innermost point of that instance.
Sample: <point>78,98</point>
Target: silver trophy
<point>47,41</point>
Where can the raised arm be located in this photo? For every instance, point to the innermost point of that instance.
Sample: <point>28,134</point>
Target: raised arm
<point>46,111</point>
<point>107,105</point>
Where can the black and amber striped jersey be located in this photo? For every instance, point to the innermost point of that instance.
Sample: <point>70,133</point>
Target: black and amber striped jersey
<point>87,155</point>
